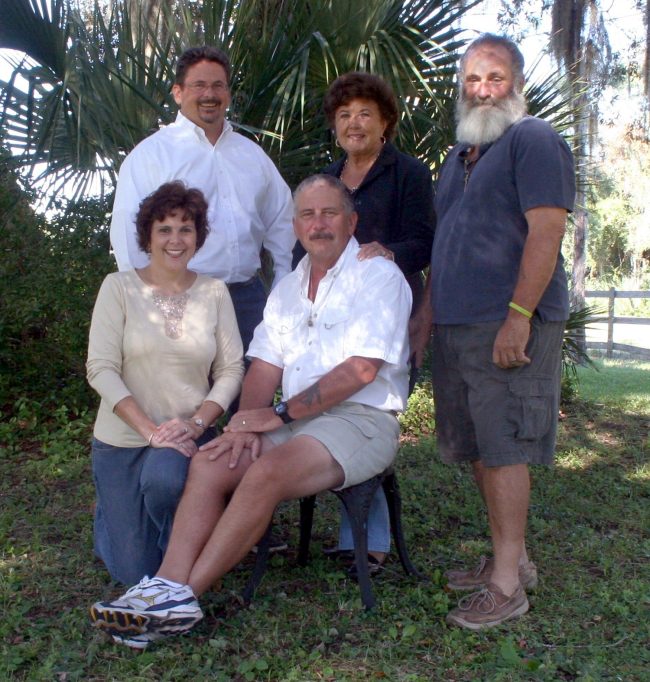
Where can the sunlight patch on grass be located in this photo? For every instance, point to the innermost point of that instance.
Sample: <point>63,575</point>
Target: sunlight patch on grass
<point>617,382</point>
<point>642,474</point>
<point>577,460</point>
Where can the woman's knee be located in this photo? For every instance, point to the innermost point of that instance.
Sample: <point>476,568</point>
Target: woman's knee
<point>163,477</point>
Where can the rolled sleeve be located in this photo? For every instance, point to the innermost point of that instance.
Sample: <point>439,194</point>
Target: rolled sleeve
<point>380,315</point>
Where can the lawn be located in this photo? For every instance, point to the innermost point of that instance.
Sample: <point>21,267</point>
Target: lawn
<point>588,533</point>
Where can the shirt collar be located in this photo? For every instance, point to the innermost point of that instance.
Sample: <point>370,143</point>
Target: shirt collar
<point>303,267</point>
<point>185,122</point>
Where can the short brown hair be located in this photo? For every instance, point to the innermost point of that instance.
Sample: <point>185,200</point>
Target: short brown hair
<point>194,55</point>
<point>359,85</point>
<point>168,198</point>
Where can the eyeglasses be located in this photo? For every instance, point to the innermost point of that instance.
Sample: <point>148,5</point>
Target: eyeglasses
<point>200,87</point>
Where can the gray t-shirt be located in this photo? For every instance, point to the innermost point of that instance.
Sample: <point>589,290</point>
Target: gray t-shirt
<point>481,227</point>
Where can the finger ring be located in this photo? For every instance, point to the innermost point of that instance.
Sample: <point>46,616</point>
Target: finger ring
<point>243,422</point>
<point>186,430</point>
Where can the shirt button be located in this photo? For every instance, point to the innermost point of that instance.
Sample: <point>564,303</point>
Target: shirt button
<point>297,369</point>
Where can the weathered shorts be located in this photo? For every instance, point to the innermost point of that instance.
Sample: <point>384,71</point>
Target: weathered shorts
<point>500,416</point>
<point>362,439</point>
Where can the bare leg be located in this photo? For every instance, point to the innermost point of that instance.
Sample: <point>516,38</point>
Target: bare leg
<point>298,468</point>
<point>204,499</point>
<point>478,470</point>
<point>507,491</point>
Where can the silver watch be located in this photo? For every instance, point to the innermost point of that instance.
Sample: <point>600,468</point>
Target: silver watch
<point>199,422</point>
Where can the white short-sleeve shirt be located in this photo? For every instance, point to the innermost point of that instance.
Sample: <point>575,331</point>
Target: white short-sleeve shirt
<point>362,309</point>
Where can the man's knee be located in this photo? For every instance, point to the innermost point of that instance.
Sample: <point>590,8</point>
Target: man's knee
<point>264,474</point>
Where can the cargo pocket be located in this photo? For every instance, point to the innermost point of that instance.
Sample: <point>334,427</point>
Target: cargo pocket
<point>532,406</point>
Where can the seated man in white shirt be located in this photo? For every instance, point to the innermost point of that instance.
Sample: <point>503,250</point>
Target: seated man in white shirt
<point>334,335</point>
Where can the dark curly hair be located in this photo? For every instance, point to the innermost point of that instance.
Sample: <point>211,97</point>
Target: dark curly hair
<point>359,85</point>
<point>194,55</point>
<point>170,197</point>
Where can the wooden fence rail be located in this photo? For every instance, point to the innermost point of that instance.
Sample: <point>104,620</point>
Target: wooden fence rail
<point>609,346</point>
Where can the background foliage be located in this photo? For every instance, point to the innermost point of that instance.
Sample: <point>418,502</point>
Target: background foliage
<point>50,273</point>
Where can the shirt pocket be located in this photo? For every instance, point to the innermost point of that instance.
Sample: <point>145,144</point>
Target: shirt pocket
<point>334,324</point>
<point>531,406</point>
<point>287,330</point>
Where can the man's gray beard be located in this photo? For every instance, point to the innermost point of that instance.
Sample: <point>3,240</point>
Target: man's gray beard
<point>484,124</point>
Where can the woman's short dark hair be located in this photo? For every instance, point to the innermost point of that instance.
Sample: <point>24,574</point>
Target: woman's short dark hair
<point>194,55</point>
<point>168,198</point>
<point>359,85</point>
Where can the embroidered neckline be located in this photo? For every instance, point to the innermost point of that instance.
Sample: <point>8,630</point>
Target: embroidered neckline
<point>172,307</point>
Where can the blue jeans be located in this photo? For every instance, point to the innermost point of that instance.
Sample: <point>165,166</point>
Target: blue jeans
<point>138,490</point>
<point>248,299</point>
<point>378,526</point>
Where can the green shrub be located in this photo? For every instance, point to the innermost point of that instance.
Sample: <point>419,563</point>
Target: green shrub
<point>49,275</point>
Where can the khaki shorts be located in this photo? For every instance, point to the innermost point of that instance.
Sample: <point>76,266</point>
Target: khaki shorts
<point>362,439</point>
<point>500,416</point>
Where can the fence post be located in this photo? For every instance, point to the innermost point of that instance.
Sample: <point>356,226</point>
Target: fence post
<point>610,322</point>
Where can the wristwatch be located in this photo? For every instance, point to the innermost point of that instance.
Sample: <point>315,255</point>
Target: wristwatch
<point>281,410</point>
<point>199,422</point>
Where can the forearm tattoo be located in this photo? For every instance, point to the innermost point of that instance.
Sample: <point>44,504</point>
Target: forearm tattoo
<point>311,395</point>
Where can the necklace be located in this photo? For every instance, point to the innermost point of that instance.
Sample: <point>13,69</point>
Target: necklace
<point>363,177</point>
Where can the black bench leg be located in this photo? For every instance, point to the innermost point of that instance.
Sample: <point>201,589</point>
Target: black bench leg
<point>391,490</point>
<point>306,521</point>
<point>357,500</point>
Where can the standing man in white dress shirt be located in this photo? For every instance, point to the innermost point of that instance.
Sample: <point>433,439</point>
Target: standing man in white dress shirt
<point>249,204</point>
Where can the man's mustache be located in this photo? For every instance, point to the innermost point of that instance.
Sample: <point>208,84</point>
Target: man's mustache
<point>321,235</point>
<point>478,101</point>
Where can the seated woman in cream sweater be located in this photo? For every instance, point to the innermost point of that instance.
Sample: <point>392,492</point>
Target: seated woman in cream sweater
<point>165,356</point>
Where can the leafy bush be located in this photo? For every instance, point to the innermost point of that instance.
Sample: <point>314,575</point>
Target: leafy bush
<point>49,276</point>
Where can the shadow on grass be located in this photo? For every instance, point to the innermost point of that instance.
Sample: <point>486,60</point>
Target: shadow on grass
<point>587,533</point>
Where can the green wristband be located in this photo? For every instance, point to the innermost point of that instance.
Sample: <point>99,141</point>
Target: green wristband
<point>521,310</point>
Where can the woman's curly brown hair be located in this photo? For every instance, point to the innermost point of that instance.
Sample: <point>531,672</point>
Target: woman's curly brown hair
<point>168,198</point>
<point>359,85</point>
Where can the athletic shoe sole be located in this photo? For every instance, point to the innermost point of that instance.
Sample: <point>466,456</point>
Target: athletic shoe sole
<point>127,622</point>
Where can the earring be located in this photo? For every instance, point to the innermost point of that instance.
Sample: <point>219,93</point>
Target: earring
<point>383,139</point>
<point>336,142</point>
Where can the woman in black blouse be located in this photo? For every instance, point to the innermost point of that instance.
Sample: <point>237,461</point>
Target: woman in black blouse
<point>393,196</point>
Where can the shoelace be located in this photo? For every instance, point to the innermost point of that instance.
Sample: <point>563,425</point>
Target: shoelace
<point>482,601</point>
<point>482,563</point>
<point>139,587</point>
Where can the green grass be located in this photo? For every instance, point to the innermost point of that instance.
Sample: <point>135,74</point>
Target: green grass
<point>617,382</point>
<point>588,533</point>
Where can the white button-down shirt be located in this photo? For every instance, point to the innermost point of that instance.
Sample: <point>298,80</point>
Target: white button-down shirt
<point>249,204</point>
<point>362,309</point>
